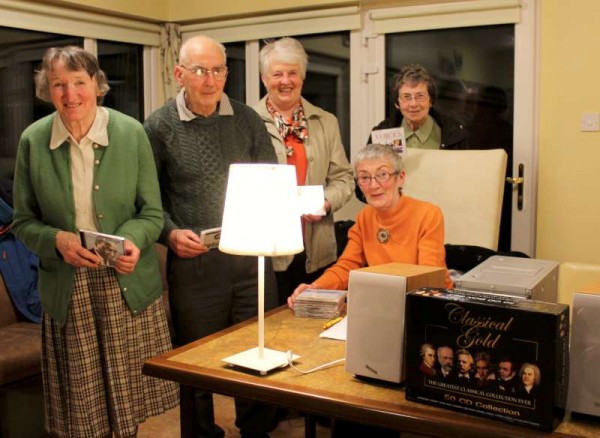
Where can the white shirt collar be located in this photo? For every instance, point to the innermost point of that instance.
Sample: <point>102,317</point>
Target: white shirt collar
<point>97,134</point>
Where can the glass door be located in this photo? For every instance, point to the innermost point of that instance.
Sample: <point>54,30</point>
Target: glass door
<point>473,70</point>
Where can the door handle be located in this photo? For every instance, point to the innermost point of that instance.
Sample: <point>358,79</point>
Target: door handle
<point>512,180</point>
<point>518,181</point>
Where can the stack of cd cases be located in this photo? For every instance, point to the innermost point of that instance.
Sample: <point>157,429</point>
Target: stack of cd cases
<point>319,303</point>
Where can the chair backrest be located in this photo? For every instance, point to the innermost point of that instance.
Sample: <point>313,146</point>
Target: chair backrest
<point>468,185</point>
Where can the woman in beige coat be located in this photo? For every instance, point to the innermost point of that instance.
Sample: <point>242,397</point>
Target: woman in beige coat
<point>309,138</point>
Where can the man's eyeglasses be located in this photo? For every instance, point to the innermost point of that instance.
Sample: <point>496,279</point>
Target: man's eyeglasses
<point>419,97</point>
<point>203,73</point>
<point>381,177</point>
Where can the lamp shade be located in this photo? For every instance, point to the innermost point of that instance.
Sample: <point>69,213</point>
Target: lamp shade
<point>261,216</point>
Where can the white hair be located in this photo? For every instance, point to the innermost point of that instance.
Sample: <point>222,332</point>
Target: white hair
<point>285,50</point>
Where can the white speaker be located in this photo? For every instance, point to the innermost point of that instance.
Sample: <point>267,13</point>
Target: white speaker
<point>375,332</point>
<point>584,377</point>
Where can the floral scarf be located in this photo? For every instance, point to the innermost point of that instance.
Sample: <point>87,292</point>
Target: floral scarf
<point>297,127</point>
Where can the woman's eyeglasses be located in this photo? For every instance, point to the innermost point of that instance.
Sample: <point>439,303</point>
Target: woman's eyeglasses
<point>381,177</point>
<point>419,97</point>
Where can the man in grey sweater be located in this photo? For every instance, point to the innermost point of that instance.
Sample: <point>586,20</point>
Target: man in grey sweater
<point>195,138</point>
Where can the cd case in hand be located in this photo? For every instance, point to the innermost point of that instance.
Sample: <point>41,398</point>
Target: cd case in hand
<point>106,246</point>
<point>393,136</point>
<point>211,237</point>
<point>319,303</point>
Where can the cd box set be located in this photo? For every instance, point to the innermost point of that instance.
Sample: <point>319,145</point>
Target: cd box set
<point>495,356</point>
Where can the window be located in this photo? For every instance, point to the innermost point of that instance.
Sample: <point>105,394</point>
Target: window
<point>327,83</point>
<point>235,87</point>
<point>21,52</point>
<point>122,64</point>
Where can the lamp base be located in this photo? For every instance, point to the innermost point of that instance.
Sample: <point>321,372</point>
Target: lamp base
<point>251,359</point>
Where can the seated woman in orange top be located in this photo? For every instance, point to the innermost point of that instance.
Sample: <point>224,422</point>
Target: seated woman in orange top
<point>391,228</point>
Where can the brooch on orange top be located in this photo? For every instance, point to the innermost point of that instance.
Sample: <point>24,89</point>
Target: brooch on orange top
<point>383,235</point>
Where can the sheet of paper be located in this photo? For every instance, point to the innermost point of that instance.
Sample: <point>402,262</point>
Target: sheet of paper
<point>337,331</point>
<point>311,200</point>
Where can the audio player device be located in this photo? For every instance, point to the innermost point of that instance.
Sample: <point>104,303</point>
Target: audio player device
<point>519,277</point>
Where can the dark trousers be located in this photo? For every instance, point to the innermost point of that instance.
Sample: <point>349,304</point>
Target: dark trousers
<point>207,294</point>
<point>295,274</point>
<point>197,417</point>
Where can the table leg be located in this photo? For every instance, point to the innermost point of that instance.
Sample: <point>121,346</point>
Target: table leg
<point>310,426</point>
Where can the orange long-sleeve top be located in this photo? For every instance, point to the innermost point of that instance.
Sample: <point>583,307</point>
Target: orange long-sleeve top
<point>416,236</point>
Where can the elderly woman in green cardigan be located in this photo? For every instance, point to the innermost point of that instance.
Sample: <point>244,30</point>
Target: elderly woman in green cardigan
<point>89,167</point>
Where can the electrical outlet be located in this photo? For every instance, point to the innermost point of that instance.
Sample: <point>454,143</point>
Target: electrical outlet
<point>590,121</point>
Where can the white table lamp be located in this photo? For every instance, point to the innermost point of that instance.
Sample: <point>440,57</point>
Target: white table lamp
<point>261,219</point>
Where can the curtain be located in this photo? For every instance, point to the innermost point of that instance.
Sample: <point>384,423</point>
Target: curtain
<point>170,42</point>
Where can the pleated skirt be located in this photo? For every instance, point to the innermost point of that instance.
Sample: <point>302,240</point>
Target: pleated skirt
<point>92,366</point>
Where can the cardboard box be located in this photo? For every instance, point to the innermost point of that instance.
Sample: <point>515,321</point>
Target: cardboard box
<point>520,277</point>
<point>376,304</point>
<point>491,337</point>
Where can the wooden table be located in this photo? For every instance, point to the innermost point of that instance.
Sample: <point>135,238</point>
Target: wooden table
<point>331,392</point>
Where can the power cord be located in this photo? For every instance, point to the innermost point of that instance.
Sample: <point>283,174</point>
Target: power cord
<point>290,358</point>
